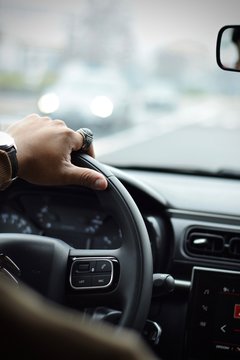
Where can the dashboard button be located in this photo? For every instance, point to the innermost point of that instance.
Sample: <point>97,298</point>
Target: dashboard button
<point>83,266</point>
<point>80,267</point>
<point>82,281</point>
<point>101,280</point>
<point>103,266</point>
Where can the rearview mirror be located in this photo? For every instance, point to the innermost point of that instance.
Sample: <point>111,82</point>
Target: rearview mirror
<point>228,48</point>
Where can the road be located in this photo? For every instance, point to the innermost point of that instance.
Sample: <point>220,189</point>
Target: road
<point>203,135</point>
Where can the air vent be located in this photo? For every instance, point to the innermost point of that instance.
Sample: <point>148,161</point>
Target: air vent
<point>234,246</point>
<point>210,242</point>
<point>206,243</point>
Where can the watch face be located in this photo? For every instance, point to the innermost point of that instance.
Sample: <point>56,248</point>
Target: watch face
<point>6,140</point>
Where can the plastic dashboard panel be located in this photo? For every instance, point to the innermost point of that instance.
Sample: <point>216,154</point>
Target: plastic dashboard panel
<point>173,204</point>
<point>191,202</point>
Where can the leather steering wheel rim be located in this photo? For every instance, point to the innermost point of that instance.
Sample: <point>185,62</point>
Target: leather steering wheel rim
<point>133,290</point>
<point>137,264</point>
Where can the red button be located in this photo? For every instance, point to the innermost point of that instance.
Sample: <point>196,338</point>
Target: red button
<point>237,311</point>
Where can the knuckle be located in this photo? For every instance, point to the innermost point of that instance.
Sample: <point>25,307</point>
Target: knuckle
<point>59,122</point>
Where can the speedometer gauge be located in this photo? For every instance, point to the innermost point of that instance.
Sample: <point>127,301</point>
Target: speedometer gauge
<point>13,222</point>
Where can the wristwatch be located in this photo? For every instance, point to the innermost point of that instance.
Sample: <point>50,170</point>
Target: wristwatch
<point>8,160</point>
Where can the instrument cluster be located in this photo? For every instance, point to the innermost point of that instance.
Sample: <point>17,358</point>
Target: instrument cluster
<point>73,219</point>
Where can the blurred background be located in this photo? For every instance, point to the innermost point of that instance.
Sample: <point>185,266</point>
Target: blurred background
<point>135,69</point>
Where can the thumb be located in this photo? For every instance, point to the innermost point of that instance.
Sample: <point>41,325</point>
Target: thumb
<point>85,177</point>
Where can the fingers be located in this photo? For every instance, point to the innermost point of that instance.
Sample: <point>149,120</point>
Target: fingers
<point>85,177</point>
<point>91,151</point>
<point>77,139</point>
<point>59,141</point>
<point>87,138</point>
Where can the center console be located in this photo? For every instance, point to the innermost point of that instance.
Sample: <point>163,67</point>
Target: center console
<point>214,315</point>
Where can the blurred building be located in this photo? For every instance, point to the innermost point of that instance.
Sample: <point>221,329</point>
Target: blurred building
<point>37,37</point>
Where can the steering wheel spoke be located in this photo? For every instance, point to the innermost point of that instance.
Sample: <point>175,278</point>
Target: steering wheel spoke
<point>118,279</point>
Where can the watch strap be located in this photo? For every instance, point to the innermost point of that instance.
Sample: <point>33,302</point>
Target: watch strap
<point>5,170</point>
<point>14,163</point>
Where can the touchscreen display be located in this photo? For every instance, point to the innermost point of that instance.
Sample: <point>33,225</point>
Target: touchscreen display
<point>214,315</point>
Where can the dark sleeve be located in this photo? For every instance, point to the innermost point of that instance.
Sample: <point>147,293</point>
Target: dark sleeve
<point>34,328</point>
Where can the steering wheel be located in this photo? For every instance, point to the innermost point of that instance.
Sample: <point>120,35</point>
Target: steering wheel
<point>119,278</point>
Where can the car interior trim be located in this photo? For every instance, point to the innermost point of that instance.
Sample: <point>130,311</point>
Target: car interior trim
<point>91,272</point>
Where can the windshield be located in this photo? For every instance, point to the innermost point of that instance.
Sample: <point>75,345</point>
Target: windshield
<point>142,74</point>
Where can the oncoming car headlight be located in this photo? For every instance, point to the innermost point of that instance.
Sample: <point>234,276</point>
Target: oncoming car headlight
<point>48,103</point>
<point>101,106</point>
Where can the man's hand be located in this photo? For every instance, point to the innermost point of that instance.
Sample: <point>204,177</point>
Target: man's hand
<point>44,148</point>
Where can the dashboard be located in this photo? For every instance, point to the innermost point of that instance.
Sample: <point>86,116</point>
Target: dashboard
<point>194,229</point>
<point>59,215</point>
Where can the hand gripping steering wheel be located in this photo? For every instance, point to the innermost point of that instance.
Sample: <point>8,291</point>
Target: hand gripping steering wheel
<point>118,278</point>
